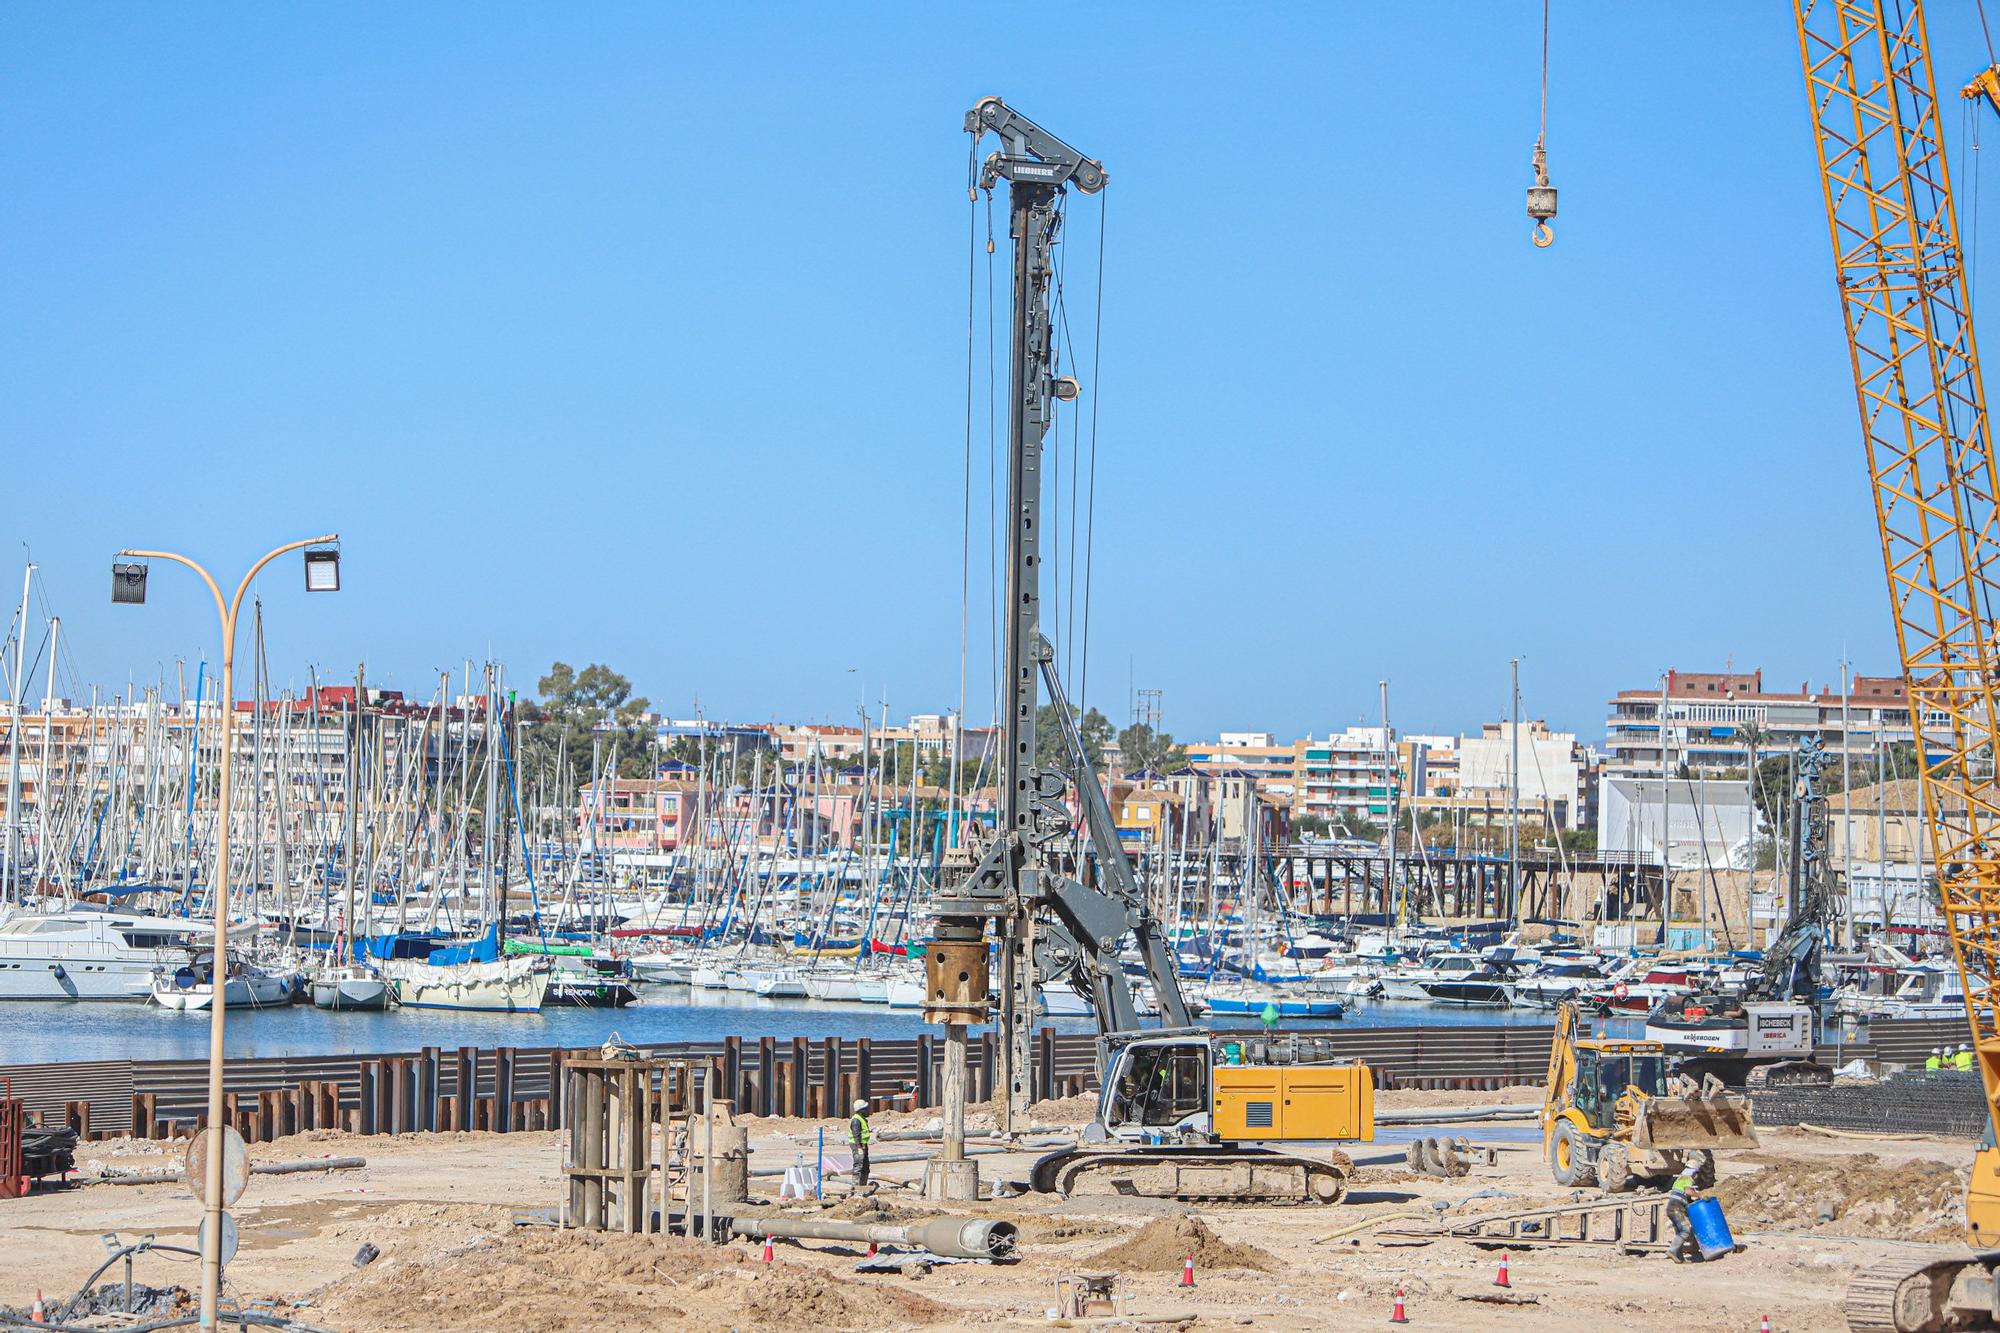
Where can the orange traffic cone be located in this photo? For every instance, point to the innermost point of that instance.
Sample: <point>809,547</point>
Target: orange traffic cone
<point>1501,1280</point>
<point>767,1250</point>
<point>1187,1271</point>
<point>1397,1316</point>
<point>1764,1325</point>
<point>871,1249</point>
<point>38,1314</point>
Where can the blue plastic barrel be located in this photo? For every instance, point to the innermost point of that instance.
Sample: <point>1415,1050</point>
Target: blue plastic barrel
<point>1711,1232</point>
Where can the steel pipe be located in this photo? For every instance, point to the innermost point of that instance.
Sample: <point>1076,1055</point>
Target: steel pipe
<point>946,1237</point>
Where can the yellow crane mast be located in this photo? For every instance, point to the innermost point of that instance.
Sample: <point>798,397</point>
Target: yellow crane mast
<point>1901,274</point>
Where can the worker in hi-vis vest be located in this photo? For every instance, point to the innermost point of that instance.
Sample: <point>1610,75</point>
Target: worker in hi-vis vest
<point>857,1139</point>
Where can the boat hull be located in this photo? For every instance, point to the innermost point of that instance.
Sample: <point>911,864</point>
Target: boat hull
<point>501,987</point>
<point>362,993</point>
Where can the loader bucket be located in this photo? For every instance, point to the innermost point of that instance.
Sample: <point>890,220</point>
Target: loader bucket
<point>1718,1120</point>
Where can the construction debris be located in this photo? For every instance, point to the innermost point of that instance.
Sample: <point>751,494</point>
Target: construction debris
<point>1855,1195</point>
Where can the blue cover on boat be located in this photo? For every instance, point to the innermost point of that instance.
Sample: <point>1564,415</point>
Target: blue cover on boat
<point>484,949</point>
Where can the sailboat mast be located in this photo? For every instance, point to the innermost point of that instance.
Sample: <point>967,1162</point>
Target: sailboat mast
<point>14,744</point>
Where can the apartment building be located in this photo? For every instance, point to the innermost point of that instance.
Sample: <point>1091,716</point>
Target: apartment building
<point>1347,774</point>
<point>1558,778</point>
<point>1707,714</point>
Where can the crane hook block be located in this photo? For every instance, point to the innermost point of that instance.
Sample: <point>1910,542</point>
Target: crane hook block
<point>1542,199</point>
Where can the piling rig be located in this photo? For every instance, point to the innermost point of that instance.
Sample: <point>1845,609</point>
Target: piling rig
<point>1044,922</point>
<point>1193,1129</point>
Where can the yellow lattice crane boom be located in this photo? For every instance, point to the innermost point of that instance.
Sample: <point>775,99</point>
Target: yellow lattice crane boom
<point>1901,273</point>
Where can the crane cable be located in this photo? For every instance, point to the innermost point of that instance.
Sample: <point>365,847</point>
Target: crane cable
<point>965,517</point>
<point>1542,195</point>
<point>1090,501</point>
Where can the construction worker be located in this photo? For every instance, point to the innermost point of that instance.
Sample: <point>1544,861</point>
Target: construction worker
<point>1936,1062</point>
<point>1962,1062</point>
<point>1686,1249</point>
<point>858,1138</point>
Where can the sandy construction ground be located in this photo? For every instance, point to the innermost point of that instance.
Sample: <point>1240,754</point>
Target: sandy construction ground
<point>440,1209</point>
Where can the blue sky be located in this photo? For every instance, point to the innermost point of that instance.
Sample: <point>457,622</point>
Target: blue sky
<point>636,334</point>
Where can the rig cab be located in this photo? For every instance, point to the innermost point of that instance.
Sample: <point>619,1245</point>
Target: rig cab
<point>1213,1088</point>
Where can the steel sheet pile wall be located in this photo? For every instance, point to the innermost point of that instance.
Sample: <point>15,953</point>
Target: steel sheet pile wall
<point>509,1088</point>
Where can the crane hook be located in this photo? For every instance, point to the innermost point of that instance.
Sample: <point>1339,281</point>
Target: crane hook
<point>1542,200</point>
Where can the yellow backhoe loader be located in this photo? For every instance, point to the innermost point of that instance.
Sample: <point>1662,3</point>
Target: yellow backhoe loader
<point>1612,1116</point>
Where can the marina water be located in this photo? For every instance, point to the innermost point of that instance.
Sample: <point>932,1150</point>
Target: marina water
<point>39,1033</point>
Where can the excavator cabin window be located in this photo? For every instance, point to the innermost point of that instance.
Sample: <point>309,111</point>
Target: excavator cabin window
<point>1161,1086</point>
<point>1603,1076</point>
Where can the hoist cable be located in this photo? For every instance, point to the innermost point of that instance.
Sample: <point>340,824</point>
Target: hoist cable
<point>1061,582</point>
<point>1542,135</point>
<point>1090,502</point>
<point>992,473</point>
<point>1986,28</point>
<point>965,517</point>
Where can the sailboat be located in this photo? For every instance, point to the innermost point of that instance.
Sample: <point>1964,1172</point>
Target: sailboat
<point>191,986</point>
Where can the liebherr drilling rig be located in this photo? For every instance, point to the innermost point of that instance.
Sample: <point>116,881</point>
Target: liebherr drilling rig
<point>1185,1112</point>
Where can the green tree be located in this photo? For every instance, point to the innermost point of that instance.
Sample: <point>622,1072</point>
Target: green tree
<point>579,707</point>
<point>1141,749</point>
<point>1580,841</point>
<point>684,750</point>
<point>1354,824</point>
<point>1052,744</point>
<point>1308,826</point>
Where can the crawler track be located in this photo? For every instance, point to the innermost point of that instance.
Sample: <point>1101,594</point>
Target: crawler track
<point>1894,1298</point>
<point>1196,1174</point>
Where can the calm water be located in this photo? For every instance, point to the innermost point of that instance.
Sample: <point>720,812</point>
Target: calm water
<point>36,1033</point>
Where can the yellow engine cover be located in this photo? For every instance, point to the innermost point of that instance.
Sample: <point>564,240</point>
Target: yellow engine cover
<point>1982,1200</point>
<point>1265,1102</point>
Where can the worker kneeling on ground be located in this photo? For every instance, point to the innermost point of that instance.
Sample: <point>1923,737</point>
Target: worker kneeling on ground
<point>858,1137</point>
<point>1686,1248</point>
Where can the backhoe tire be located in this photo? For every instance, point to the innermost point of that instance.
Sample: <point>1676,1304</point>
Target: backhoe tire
<point>1614,1168</point>
<point>1569,1157</point>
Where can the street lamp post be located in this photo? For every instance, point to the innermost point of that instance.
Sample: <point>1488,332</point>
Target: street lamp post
<point>128,584</point>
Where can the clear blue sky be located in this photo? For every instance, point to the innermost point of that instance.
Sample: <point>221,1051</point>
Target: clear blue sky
<point>636,334</point>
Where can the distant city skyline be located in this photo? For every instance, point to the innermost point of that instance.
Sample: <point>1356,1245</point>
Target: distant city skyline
<point>1581,716</point>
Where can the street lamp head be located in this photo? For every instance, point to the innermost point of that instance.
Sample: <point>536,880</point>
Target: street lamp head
<point>128,583</point>
<point>323,569</point>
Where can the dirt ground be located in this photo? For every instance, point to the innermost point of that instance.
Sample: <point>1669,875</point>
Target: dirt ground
<point>441,1210</point>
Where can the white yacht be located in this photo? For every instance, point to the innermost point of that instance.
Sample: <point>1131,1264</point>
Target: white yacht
<point>86,955</point>
<point>1553,983</point>
<point>1927,990</point>
<point>1413,983</point>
